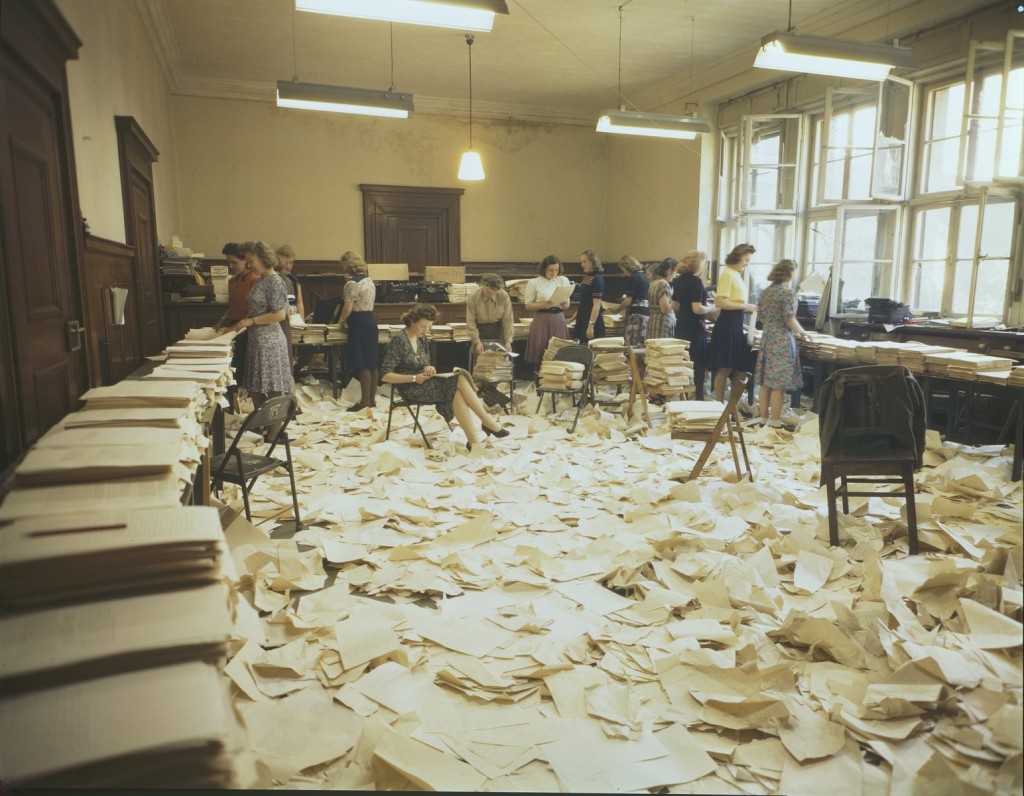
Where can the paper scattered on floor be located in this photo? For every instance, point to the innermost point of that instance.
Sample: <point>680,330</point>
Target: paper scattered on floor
<point>552,612</point>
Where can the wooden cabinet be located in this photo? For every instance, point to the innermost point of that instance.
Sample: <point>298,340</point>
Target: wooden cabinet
<point>179,318</point>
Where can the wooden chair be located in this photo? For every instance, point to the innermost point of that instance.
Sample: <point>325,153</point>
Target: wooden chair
<point>872,432</point>
<point>236,467</point>
<point>579,395</point>
<point>729,428</point>
<point>399,401</point>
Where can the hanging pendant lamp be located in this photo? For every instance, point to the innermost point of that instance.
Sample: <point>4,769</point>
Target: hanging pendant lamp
<point>471,167</point>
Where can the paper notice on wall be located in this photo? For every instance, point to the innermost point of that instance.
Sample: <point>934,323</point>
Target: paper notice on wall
<point>118,300</point>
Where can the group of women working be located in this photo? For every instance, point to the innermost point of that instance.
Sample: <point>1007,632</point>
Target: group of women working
<point>670,299</point>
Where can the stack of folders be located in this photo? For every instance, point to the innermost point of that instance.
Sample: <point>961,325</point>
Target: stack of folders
<point>114,625</point>
<point>691,417</point>
<point>493,366</point>
<point>668,364</point>
<point>967,365</point>
<point>558,375</point>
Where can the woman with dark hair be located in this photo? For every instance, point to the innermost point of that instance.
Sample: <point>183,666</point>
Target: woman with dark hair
<point>239,285</point>
<point>663,319</point>
<point>406,363</point>
<point>589,318</point>
<point>729,349</point>
<point>690,299</point>
<point>778,364</point>
<point>268,371</point>
<point>362,351</point>
<point>549,319</point>
<point>286,262</point>
<point>634,302</point>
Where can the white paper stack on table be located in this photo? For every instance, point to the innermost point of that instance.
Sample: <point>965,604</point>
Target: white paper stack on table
<point>336,333</point>
<point>493,366</point>
<point>521,329</point>
<point>558,375</point>
<point>315,333</point>
<point>384,331</point>
<point>460,332</point>
<point>297,326</point>
<point>668,366</point>
<point>168,726</point>
<point>441,332</point>
<point>968,365</point>
<point>95,553</point>
<point>693,416</point>
<point>1016,378</point>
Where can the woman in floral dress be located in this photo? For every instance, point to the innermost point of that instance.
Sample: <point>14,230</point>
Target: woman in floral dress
<point>778,364</point>
<point>662,322</point>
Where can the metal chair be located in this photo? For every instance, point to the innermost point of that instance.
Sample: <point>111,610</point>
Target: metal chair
<point>729,428</point>
<point>399,401</point>
<point>581,394</point>
<point>872,427</point>
<point>488,388</point>
<point>236,467</point>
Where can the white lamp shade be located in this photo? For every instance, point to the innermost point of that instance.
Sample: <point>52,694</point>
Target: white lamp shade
<point>477,15</point>
<point>471,167</point>
<point>817,55</point>
<point>654,125</point>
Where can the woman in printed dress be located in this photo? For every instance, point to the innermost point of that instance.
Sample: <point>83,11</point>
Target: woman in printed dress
<point>778,364</point>
<point>663,319</point>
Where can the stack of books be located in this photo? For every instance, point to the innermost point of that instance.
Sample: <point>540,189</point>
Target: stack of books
<point>912,355</point>
<point>690,417</point>
<point>492,366</point>
<point>668,366</point>
<point>557,375</point>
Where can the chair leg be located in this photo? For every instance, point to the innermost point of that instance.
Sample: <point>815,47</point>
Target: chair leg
<point>540,403</point>
<point>846,497</point>
<point>291,477</point>
<point>576,419</point>
<point>391,411</point>
<point>743,449</point>
<point>414,410</point>
<point>245,500</point>
<point>908,487</point>
<point>833,520</point>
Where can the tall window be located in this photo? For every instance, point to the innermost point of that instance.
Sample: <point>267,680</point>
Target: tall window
<point>941,147</point>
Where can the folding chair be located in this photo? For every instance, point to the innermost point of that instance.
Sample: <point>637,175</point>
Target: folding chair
<point>872,427</point>
<point>236,467</point>
<point>729,429</point>
<point>399,401</point>
<point>488,388</point>
<point>571,353</point>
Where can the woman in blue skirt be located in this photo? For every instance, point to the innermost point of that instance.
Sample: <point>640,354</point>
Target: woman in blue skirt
<point>729,349</point>
<point>362,353</point>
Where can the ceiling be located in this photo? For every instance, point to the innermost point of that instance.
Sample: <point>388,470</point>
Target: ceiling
<point>548,60</point>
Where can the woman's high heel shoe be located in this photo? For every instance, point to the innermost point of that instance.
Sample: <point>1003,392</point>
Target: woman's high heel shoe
<point>501,432</point>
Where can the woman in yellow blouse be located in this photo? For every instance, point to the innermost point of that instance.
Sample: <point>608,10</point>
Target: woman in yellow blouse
<point>729,349</point>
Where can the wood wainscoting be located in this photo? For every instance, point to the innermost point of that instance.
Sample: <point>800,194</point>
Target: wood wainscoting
<point>116,349</point>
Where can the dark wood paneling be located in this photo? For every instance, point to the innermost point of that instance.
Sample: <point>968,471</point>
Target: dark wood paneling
<point>41,373</point>
<point>116,349</point>
<point>179,318</point>
<point>418,226</point>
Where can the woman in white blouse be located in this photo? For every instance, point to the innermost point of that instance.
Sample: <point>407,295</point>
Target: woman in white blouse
<point>362,352</point>
<point>549,319</point>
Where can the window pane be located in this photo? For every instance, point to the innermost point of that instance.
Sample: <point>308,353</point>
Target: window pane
<point>821,244</point>
<point>931,244</point>
<point>968,228</point>
<point>765,148</point>
<point>961,287</point>
<point>940,165</point>
<point>932,234</point>
<point>863,126</point>
<point>942,142</point>
<point>947,112</point>
<point>860,176</point>
<point>931,277</point>
<point>764,189</point>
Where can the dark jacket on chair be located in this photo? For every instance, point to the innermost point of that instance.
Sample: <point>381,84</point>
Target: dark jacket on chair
<point>892,392</point>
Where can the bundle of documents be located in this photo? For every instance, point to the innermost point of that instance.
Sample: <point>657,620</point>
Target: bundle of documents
<point>913,355</point>
<point>95,553</point>
<point>384,331</point>
<point>613,323</point>
<point>315,333</point>
<point>297,326</point>
<point>128,394</point>
<point>554,344</point>
<point>441,332</point>
<point>493,366</point>
<point>558,375</point>
<point>521,329</point>
<point>516,289</point>
<point>607,342</point>
<point>967,365</point>
<point>460,333</point>
<point>610,366</point>
<point>459,292</point>
<point>75,464</point>
<point>668,366</point>
<point>336,333</point>
<point>1016,378</point>
<point>170,726</point>
<point>693,416</point>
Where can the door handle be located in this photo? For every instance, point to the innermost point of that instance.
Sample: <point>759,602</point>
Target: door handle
<point>73,331</point>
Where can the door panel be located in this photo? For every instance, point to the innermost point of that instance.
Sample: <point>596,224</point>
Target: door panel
<point>146,267</point>
<point>418,226</point>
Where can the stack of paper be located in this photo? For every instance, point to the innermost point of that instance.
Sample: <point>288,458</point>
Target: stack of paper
<point>315,333</point>
<point>668,366</point>
<point>460,333</point>
<point>169,726</point>
<point>142,394</point>
<point>693,416</point>
<point>610,366</point>
<point>459,292</point>
<point>516,289</point>
<point>521,329</point>
<point>95,553</point>
<point>441,332</point>
<point>384,331</point>
<point>298,328</point>
<point>968,366</point>
<point>336,333</point>
<point>219,278</point>
<point>1016,378</point>
<point>558,375</point>
<point>554,344</point>
<point>913,355</point>
<point>493,366</point>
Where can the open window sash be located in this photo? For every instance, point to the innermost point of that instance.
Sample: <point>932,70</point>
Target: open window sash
<point>864,265</point>
<point>1010,132</point>
<point>978,151</point>
<point>981,255</point>
<point>727,207</point>
<point>889,170</point>
<point>836,155</point>
<point>771,163</point>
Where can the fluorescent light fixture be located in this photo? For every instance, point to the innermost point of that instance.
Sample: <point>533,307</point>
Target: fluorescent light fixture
<point>819,55</point>
<point>475,15</point>
<point>471,167</point>
<point>656,125</point>
<point>339,99</point>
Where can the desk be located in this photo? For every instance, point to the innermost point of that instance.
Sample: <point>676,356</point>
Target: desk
<point>334,354</point>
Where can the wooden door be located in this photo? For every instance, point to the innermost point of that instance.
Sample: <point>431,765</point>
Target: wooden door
<point>418,226</point>
<point>137,155</point>
<point>44,365</point>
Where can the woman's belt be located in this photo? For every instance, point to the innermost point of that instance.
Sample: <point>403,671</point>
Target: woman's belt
<point>552,309</point>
